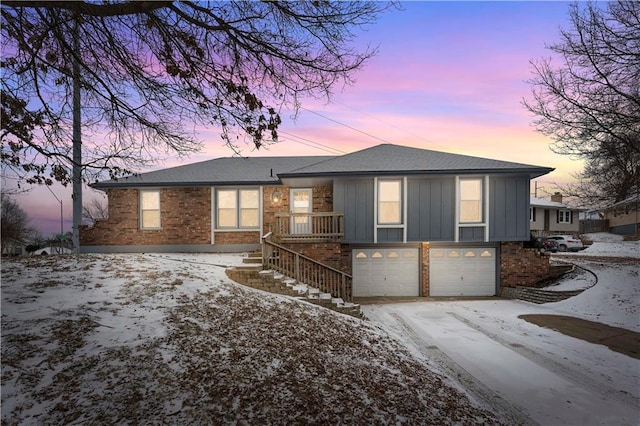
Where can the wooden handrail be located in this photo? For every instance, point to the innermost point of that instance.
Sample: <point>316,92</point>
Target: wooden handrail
<point>309,226</point>
<point>305,269</point>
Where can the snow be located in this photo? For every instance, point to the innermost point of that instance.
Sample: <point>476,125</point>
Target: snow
<point>537,374</point>
<point>155,339</point>
<point>168,338</point>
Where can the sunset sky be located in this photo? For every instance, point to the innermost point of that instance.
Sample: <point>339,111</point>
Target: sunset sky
<point>449,76</point>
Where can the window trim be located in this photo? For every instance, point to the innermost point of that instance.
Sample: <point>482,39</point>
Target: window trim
<point>400,201</point>
<point>237,209</point>
<point>565,216</point>
<point>141,209</point>
<point>481,201</point>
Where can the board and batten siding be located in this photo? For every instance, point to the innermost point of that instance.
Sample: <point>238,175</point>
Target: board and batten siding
<point>430,203</point>
<point>509,208</point>
<point>354,198</point>
<point>431,207</point>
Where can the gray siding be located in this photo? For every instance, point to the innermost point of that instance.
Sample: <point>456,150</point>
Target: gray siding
<point>389,235</point>
<point>474,233</point>
<point>509,208</point>
<point>430,209</point>
<point>354,198</point>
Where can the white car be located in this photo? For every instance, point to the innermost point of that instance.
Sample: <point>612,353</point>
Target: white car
<point>567,242</point>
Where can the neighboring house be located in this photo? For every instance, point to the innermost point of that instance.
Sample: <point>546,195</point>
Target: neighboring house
<point>388,220</point>
<point>550,217</point>
<point>624,216</point>
<point>11,247</point>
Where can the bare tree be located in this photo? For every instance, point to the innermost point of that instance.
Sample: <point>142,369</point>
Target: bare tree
<point>96,209</point>
<point>14,222</point>
<point>590,102</point>
<point>153,71</point>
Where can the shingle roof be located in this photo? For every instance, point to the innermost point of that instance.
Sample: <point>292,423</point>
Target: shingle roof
<point>383,159</point>
<point>394,159</point>
<point>541,202</point>
<point>220,171</point>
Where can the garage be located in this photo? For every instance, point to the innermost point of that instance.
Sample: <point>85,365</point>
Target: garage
<point>386,272</point>
<point>462,271</point>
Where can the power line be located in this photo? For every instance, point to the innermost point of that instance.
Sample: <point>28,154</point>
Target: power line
<point>345,125</point>
<point>392,125</point>
<point>316,145</point>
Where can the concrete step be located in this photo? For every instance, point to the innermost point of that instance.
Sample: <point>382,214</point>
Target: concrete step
<point>252,260</point>
<point>248,267</point>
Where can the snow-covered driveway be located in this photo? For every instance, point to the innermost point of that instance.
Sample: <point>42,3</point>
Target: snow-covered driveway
<point>532,374</point>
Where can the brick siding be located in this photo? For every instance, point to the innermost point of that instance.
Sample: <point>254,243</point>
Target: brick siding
<point>521,266</point>
<point>333,254</point>
<point>185,218</point>
<point>424,268</point>
<point>185,215</point>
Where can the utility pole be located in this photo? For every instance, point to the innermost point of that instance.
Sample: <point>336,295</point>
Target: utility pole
<point>77,141</point>
<point>60,238</point>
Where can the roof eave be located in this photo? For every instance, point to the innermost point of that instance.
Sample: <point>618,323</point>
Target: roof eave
<point>533,173</point>
<point>109,185</point>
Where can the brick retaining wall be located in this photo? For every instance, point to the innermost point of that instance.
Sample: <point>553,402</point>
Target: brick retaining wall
<point>521,266</point>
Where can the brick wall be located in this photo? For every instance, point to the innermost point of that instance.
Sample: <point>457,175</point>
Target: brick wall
<point>322,202</point>
<point>424,266</point>
<point>332,254</point>
<point>521,266</point>
<point>269,208</point>
<point>237,237</point>
<point>185,216</point>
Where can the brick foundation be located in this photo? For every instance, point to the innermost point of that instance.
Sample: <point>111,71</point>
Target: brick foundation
<point>333,254</point>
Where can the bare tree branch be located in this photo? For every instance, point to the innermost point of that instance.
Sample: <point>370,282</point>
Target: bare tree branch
<point>589,103</point>
<point>149,68</point>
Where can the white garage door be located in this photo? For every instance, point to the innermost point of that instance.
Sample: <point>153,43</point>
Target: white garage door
<point>386,272</point>
<point>462,271</point>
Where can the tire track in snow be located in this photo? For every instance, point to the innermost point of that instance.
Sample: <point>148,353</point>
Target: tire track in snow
<point>563,370</point>
<point>503,409</point>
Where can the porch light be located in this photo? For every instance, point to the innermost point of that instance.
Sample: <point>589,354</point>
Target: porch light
<point>276,197</point>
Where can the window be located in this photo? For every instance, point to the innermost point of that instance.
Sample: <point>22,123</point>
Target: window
<point>150,209</point>
<point>532,214</point>
<point>564,216</point>
<point>249,208</point>
<point>389,202</point>
<point>238,208</point>
<point>470,200</point>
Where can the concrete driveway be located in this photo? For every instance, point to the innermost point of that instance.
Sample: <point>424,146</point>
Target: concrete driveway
<point>526,373</point>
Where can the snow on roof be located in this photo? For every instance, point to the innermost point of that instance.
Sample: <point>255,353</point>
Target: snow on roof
<point>541,202</point>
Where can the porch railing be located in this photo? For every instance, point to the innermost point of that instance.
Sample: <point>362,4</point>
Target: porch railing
<point>305,270</point>
<point>309,226</point>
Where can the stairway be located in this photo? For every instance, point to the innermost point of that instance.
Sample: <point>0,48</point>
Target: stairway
<point>251,274</point>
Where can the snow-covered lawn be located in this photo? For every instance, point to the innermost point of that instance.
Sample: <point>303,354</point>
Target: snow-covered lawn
<point>169,339</point>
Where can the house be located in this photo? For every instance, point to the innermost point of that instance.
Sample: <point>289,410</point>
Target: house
<point>384,221</point>
<point>548,217</point>
<point>624,216</point>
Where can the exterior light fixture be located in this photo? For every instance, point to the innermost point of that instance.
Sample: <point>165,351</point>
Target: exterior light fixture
<point>276,197</point>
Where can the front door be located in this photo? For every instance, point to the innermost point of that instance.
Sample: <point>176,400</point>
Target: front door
<point>301,206</point>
